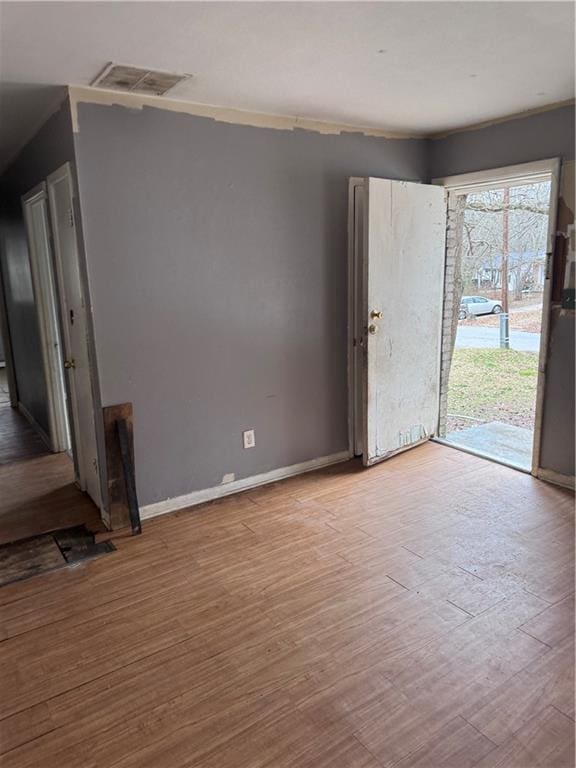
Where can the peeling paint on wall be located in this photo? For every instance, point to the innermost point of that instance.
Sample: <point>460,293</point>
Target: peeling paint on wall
<point>220,114</point>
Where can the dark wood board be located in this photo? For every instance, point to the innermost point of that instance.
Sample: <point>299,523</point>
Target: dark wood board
<point>117,499</point>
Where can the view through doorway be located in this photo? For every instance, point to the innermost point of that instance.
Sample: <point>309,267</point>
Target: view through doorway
<point>495,293</point>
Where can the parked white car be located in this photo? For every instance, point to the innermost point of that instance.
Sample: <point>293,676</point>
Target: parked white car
<point>478,305</point>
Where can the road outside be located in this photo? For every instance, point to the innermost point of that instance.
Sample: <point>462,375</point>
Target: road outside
<point>484,332</point>
<point>486,337</point>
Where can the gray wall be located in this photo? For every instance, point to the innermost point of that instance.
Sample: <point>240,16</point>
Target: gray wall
<point>521,140</point>
<point>217,258</point>
<point>50,148</point>
<point>535,137</point>
<point>557,448</point>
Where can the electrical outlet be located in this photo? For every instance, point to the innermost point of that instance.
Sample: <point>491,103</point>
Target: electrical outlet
<point>249,438</point>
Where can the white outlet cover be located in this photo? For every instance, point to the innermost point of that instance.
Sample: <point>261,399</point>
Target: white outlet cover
<point>249,438</point>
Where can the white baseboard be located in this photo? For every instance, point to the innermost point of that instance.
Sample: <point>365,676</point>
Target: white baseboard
<point>227,489</point>
<point>33,423</point>
<point>556,478</point>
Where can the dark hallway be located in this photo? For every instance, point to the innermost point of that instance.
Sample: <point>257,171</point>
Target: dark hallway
<point>18,439</point>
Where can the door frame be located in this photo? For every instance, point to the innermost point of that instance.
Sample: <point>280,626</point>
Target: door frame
<point>357,309</point>
<point>66,172</point>
<point>539,170</point>
<point>48,313</point>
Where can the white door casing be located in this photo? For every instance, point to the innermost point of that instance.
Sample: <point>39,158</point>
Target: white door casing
<point>75,330</point>
<point>401,297</point>
<point>38,233</point>
<point>525,173</point>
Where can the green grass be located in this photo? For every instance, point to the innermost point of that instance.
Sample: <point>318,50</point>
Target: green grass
<point>493,385</point>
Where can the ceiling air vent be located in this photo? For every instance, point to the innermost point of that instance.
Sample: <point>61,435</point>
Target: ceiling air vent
<point>120,77</point>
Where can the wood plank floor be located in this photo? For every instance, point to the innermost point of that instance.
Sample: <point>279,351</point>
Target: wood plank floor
<point>18,439</point>
<point>39,495</point>
<point>419,613</point>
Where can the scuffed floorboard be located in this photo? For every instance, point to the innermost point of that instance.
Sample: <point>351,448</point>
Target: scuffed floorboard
<point>419,613</point>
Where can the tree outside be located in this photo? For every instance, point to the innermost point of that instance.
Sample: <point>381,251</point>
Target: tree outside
<point>503,257</point>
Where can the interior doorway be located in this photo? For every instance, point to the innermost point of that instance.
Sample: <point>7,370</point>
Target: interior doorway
<point>35,208</point>
<point>47,408</point>
<point>32,409</point>
<point>496,302</point>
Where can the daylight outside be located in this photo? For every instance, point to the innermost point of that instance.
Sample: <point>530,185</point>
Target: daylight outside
<point>494,372</point>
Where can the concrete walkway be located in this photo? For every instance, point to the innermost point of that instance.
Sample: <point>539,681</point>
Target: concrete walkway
<point>482,337</point>
<point>505,442</point>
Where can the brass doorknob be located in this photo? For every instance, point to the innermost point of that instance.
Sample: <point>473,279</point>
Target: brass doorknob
<point>376,314</point>
<point>69,364</point>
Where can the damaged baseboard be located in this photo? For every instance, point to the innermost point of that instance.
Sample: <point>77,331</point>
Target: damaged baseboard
<point>556,478</point>
<point>227,489</point>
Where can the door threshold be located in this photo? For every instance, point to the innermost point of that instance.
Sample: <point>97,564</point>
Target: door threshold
<point>482,455</point>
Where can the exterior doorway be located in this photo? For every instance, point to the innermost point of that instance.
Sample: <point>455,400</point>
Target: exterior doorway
<point>496,301</point>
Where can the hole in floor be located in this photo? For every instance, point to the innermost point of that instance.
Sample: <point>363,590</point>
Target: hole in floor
<point>50,551</point>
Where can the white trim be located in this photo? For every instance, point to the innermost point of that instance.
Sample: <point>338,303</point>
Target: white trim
<point>88,462</point>
<point>47,313</point>
<point>525,173</point>
<point>90,95</point>
<point>556,478</point>
<point>34,424</point>
<point>481,454</point>
<point>504,119</point>
<point>545,316</point>
<point>540,170</point>
<point>209,494</point>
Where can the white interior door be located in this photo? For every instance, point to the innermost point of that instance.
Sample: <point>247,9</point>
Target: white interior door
<point>401,263</point>
<point>37,229</point>
<point>75,330</point>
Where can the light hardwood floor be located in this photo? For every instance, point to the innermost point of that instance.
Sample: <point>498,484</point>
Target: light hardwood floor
<point>419,613</point>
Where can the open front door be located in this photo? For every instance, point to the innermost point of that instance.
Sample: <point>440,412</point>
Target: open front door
<point>398,273</point>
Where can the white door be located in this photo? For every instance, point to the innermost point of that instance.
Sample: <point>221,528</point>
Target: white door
<point>75,330</point>
<point>401,296</point>
<point>37,230</point>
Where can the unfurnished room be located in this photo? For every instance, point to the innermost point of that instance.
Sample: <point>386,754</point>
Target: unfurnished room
<point>287,384</point>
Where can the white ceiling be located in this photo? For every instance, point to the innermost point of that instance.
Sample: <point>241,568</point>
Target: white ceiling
<point>415,67</point>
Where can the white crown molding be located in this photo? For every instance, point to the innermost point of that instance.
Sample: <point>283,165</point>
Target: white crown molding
<point>504,119</point>
<point>89,95</point>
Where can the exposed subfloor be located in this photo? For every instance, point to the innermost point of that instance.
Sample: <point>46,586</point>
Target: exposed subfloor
<point>504,442</point>
<point>419,613</point>
<point>39,495</point>
<point>36,555</point>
